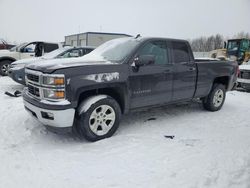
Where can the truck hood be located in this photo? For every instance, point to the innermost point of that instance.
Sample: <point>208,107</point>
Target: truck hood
<point>7,53</point>
<point>49,66</point>
<point>29,61</point>
<point>26,61</point>
<point>4,51</point>
<point>244,67</point>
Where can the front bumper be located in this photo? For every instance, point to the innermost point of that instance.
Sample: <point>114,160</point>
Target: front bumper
<point>243,80</point>
<point>52,118</point>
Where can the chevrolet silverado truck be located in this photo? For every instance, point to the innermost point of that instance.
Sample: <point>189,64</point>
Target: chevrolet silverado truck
<point>88,95</point>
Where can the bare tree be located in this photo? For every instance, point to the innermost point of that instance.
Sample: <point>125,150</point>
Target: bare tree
<point>213,42</point>
<point>206,44</point>
<point>242,34</point>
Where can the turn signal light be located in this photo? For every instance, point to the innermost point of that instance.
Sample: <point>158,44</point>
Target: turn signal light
<point>59,81</point>
<point>59,94</point>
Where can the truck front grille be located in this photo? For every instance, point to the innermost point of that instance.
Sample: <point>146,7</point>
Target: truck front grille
<point>33,90</point>
<point>33,82</point>
<point>245,74</point>
<point>33,78</point>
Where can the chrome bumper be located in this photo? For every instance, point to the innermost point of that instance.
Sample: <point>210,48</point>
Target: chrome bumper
<point>53,118</point>
<point>242,80</point>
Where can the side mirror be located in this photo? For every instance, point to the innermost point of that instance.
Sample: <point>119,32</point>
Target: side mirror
<point>144,60</point>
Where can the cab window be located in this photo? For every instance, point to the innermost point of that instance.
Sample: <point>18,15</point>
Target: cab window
<point>72,53</point>
<point>30,48</point>
<point>87,50</point>
<point>156,48</point>
<point>245,45</point>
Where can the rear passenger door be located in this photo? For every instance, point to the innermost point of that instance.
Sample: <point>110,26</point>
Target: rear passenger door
<point>184,71</point>
<point>151,84</point>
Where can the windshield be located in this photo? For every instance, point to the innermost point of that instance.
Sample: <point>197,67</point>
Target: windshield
<point>17,48</point>
<point>55,53</point>
<point>233,45</point>
<point>245,44</point>
<point>114,50</point>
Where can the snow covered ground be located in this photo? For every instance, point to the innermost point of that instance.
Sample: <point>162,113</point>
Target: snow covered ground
<point>209,149</point>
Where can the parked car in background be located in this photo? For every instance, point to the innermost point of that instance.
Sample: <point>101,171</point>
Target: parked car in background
<point>244,76</point>
<point>23,51</point>
<point>89,94</point>
<point>17,68</point>
<point>5,45</point>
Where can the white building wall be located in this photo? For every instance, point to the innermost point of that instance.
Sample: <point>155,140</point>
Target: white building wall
<point>90,39</point>
<point>71,40</point>
<point>98,39</point>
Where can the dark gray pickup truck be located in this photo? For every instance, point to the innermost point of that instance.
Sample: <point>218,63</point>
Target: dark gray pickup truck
<point>89,94</point>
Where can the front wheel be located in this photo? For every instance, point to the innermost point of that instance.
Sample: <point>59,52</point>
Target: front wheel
<point>215,100</point>
<point>4,67</point>
<point>98,121</point>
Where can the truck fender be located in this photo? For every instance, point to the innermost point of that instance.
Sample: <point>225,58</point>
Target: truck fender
<point>7,58</point>
<point>86,104</point>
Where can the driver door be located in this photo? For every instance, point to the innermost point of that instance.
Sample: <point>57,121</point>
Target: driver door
<point>151,84</point>
<point>28,51</point>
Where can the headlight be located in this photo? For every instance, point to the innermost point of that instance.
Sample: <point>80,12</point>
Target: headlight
<point>53,94</point>
<point>53,86</point>
<point>53,80</point>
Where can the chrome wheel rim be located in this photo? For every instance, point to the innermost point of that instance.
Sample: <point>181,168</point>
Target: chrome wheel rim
<point>102,120</point>
<point>218,98</point>
<point>5,68</point>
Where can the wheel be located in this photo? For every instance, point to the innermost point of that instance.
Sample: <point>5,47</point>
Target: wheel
<point>215,99</point>
<point>4,67</point>
<point>99,121</point>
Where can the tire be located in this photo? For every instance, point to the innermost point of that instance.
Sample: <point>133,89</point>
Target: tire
<point>215,99</point>
<point>94,124</point>
<point>4,67</point>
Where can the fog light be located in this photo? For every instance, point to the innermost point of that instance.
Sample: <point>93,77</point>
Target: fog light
<point>47,115</point>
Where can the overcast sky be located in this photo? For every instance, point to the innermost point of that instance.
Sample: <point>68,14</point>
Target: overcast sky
<point>51,20</point>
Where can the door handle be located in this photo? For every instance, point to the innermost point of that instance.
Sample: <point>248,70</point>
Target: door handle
<point>166,71</point>
<point>192,69</point>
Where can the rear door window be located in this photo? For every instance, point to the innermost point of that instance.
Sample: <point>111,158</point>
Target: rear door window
<point>87,50</point>
<point>49,47</point>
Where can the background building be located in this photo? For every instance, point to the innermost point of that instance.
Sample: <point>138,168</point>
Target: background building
<point>91,38</point>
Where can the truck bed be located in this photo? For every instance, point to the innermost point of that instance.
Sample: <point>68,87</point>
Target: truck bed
<point>208,70</point>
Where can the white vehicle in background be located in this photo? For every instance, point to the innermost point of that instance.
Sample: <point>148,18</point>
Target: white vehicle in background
<point>24,51</point>
<point>243,79</point>
<point>17,69</point>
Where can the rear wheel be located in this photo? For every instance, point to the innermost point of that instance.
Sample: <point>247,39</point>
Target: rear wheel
<point>215,100</point>
<point>4,67</point>
<point>100,120</point>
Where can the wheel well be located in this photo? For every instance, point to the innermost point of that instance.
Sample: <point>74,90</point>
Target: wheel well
<point>114,92</point>
<point>7,59</point>
<point>222,80</point>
